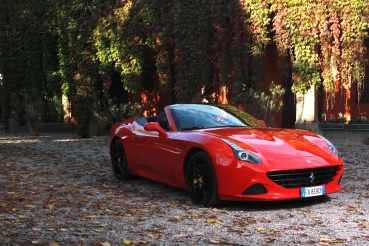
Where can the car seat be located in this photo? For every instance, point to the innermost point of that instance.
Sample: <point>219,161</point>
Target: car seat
<point>163,121</point>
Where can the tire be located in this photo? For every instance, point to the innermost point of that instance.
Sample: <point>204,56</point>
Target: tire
<point>119,162</point>
<point>201,180</point>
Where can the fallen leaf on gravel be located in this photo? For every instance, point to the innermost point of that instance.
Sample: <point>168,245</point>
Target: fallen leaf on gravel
<point>361,226</point>
<point>174,201</point>
<point>127,242</point>
<point>53,244</point>
<point>105,244</point>
<point>265,220</point>
<point>211,221</point>
<point>154,236</point>
<point>22,216</point>
<point>80,229</point>
<point>326,241</point>
<point>189,229</point>
<point>30,206</point>
<point>260,228</point>
<point>270,240</point>
<point>215,241</point>
<point>62,229</point>
<point>179,235</point>
<point>343,220</point>
<point>365,195</point>
<point>198,234</point>
<point>36,229</point>
<point>338,241</point>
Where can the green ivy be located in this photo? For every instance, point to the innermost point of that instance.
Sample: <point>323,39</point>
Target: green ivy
<point>70,46</point>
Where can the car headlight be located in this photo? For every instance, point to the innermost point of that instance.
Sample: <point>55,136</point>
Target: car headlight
<point>331,146</point>
<point>242,154</point>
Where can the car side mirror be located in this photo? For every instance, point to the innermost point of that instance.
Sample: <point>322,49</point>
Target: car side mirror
<point>262,122</point>
<point>154,126</point>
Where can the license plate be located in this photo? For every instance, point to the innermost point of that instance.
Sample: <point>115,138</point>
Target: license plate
<point>313,191</point>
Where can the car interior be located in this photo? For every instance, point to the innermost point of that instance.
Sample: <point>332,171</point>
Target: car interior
<point>161,119</point>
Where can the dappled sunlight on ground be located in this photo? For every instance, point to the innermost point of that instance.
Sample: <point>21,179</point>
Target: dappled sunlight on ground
<point>57,188</point>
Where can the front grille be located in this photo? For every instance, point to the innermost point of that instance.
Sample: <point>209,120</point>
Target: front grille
<point>303,177</point>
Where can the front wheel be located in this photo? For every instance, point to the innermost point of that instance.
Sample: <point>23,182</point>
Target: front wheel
<point>119,162</point>
<point>201,180</point>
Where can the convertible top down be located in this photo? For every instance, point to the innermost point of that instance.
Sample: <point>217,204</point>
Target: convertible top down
<point>218,152</point>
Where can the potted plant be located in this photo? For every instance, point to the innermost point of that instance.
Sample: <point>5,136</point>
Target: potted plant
<point>331,118</point>
<point>330,121</point>
<point>341,119</point>
<point>360,122</point>
<point>361,119</point>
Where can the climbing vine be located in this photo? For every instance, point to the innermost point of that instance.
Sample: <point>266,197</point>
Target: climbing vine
<point>257,21</point>
<point>194,46</point>
<point>325,42</point>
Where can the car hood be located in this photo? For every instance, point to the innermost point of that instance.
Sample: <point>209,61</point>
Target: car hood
<point>273,143</point>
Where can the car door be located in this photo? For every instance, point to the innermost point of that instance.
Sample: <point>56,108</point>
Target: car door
<point>161,158</point>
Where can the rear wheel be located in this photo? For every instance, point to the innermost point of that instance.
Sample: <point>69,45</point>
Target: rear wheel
<point>119,161</point>
<point>201,180</point>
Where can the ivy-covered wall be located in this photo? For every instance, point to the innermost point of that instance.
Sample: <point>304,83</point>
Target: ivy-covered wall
<point>192,50</point>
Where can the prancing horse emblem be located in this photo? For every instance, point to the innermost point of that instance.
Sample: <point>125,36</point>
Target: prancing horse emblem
<point>312,177</point>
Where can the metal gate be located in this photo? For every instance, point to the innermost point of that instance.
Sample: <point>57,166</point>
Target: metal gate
<point>53,112</point>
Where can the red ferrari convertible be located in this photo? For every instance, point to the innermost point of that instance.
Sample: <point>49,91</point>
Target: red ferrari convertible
<point>218,152</point>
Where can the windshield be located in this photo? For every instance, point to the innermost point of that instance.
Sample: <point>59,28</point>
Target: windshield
<point>202,116</point>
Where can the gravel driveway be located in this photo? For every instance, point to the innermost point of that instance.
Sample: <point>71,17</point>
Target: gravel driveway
<point>57,189</point>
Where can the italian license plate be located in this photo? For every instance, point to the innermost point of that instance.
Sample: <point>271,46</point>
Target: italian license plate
<point>313,191</point>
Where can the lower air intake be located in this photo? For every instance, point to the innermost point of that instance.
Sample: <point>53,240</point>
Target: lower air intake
<point>256,189</point>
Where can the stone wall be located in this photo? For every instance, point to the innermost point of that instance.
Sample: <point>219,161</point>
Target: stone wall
<point>337,137</point>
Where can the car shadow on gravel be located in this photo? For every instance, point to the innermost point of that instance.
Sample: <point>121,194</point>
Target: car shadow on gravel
<point>275,205</point>
<point>168,194</point>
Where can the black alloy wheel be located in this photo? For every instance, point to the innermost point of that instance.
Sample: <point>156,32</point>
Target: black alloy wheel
<point>201,180</point>
<point>119,162</point>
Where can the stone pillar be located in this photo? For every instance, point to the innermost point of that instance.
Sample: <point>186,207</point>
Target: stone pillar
<point>66,109</point>
<point>306,109</point>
